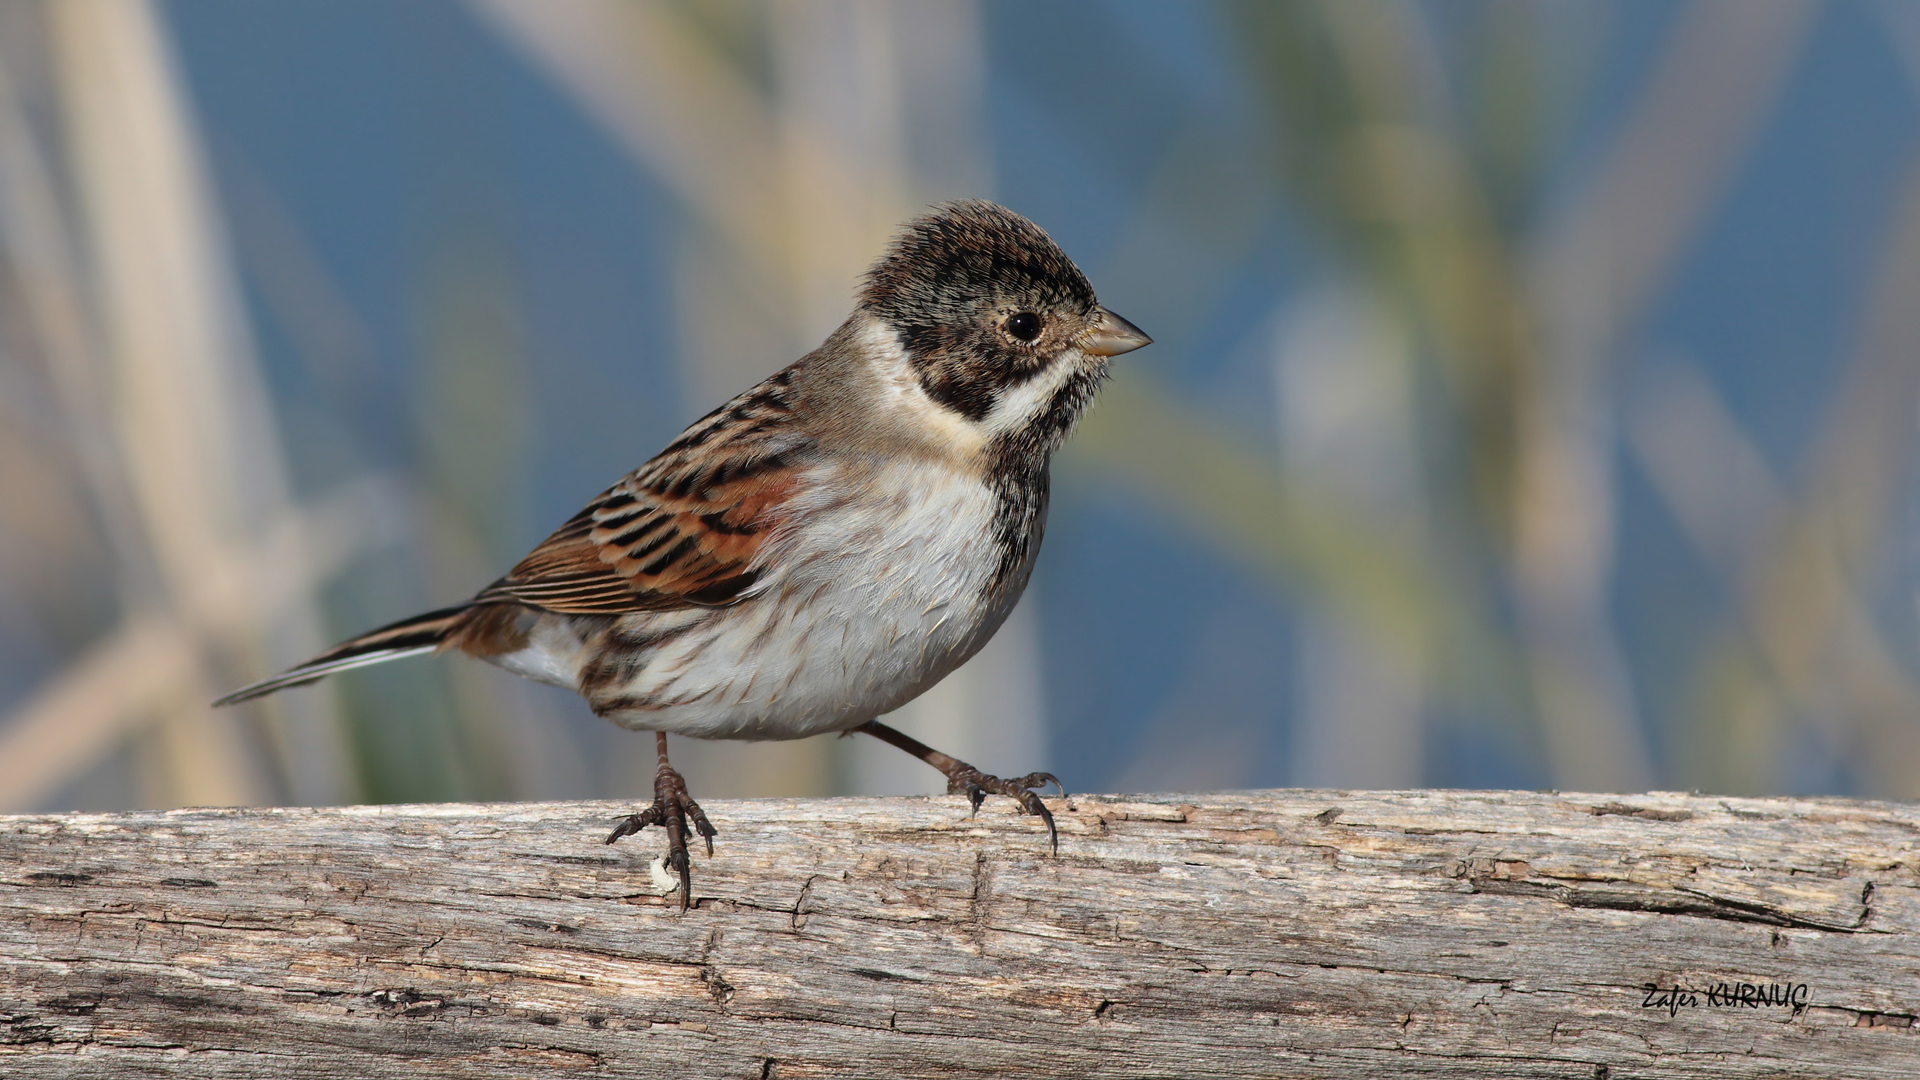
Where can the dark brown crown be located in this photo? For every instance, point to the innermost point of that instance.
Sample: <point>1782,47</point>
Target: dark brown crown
<point>945,261</point>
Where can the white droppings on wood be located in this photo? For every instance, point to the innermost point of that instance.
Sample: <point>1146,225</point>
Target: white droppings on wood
<point>663,882</point>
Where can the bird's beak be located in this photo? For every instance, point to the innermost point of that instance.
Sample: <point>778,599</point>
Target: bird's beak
<point>1113,335</point>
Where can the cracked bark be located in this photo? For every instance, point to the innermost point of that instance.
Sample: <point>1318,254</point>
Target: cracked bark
<point>1249,934</point>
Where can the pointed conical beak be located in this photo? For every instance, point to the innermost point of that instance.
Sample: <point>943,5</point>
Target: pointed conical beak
<point>1113,335</point>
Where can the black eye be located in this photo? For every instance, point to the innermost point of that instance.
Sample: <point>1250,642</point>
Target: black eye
<point>1024,325</point>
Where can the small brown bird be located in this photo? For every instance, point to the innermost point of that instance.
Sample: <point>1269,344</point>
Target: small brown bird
<point>823,548</point>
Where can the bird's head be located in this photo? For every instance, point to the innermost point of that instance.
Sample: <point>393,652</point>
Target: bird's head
<point>997,324</point>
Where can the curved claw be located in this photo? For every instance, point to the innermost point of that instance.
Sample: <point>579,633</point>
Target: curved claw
<point>633,823</point>
<point>975,795</point>
<point>976,785</point>
<point>1031,802</point>
<point>680,862</point>
<point>1042,779</point>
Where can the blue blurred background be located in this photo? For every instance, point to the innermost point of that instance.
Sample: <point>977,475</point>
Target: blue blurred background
<point>1532,401</point>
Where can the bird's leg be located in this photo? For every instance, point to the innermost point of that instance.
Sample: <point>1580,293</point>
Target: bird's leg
<point>964,779</point>
<point>672,809</point>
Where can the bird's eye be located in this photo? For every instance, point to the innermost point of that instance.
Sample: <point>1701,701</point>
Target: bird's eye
<point>1024,325</point>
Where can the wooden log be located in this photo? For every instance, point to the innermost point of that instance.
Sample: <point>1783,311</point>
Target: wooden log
<point>1279,933</point>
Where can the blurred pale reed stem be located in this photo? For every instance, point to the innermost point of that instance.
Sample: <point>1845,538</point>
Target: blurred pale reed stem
<point>1693,119</point>
<point>155,355</point>
<point>1525,336</point>
<point>1811,648</point>
<point>1344,371</point>
<point>1597,271</point>
<point>1803,645</point>
<point>108,692</point>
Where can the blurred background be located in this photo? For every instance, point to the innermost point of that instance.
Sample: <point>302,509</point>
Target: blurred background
<point>1533,400</point>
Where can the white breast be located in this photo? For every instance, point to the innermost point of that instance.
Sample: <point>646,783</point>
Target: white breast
<point>881,594</point>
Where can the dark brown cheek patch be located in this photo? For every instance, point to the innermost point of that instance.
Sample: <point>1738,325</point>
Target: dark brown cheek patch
<point>970,396</point>
<point>967,375</point>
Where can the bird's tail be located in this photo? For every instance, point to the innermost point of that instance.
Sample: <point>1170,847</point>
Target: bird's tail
<point>408,637</point>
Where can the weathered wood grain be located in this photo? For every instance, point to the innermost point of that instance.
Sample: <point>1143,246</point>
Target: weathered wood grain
<point>1282,933</point>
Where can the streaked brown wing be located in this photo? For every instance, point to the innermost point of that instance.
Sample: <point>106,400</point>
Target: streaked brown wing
<point>680,531</point>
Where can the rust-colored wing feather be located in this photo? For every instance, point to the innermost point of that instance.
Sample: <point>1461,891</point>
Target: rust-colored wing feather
<point>682,530</point>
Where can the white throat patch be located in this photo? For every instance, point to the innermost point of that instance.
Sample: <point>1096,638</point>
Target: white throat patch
<point>1019,406</point>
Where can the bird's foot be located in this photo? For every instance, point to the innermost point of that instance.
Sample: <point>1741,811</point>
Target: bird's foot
<point>672,810</point>
<point>964,779</point>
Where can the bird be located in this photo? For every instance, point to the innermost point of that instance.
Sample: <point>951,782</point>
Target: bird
<point>826,546</point>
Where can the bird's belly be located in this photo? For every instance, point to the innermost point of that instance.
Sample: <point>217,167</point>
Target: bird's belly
<point>866,610</point>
